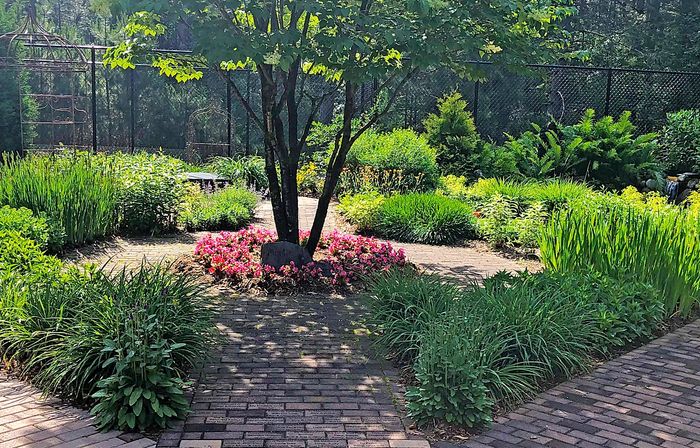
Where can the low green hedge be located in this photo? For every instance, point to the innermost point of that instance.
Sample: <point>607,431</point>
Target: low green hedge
<point>398,161</point>
<point>472,350</point>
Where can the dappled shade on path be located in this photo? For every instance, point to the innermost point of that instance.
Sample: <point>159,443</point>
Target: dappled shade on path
<point>294,372</point>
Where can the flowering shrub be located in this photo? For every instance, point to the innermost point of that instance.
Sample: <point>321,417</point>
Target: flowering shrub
<point>343,259</point>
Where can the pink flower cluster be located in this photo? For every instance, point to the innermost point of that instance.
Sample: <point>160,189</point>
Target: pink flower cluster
<point>346,258</point>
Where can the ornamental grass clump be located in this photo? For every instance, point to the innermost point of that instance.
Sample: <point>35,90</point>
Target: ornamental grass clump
<point>77,194</point>
<point>553,193</point>
<point>659,247</point>
<point>477,348</point>
<point>426,218</point>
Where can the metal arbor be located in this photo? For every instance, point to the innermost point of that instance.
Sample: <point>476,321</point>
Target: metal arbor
<point>52,101</point>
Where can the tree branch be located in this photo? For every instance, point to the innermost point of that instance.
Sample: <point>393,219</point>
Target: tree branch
<point>246,105</point>
<point>392,99</point>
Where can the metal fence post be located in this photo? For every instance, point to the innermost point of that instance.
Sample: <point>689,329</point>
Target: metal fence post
<point>94,99</point>
<point>475,106</point>
<point>132,113</point>
<point>608,90</point>
<point>228,111</point>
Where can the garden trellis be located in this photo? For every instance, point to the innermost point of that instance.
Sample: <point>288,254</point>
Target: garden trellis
<point>137,109</point>
<point>50,74</point>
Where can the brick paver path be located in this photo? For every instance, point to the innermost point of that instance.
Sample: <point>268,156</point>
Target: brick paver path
<point>647,398</point>
<point>294,372</point>
<point>28,420</point>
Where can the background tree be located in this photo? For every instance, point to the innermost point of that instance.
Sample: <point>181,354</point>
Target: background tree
<point>655,34</point>
<point>346,41</point>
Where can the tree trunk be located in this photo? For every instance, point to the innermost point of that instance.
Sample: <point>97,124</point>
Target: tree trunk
<point>268,94</point>
<point>283,188</point>
<point>335,165</point>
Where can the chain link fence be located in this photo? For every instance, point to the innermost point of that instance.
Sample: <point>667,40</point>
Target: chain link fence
<point>508,102</point>
<point>138,109</point>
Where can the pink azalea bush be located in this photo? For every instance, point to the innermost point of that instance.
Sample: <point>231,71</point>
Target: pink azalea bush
<point>343,258</point>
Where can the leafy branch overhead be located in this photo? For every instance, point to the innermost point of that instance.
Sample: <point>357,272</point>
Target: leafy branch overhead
<point>352,40</point>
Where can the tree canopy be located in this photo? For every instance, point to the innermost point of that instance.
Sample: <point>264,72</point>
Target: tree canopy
<point>347,42</point>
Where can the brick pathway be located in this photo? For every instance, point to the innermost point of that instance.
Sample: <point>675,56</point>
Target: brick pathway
<point>294,372</point>
<point>28,420</point>
<point>647,398</point>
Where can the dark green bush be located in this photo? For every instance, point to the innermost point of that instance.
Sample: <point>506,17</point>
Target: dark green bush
<point>680,142</point>
<point>425,218</point>
<point>605,151</point>
<point>496,161</point>
<point>453,134</point>
<point>610,153</point>
<point>401,160</point>
<point>227,209</point>
<point>92,334</point>
<point>72,191</point>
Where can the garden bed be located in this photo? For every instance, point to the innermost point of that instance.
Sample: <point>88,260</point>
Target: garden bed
<point>342,260</point>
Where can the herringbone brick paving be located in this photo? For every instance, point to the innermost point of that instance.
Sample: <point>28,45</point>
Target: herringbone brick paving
<point>29,420</point>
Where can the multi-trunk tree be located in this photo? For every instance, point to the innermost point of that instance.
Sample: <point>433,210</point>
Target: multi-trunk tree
<point>348,42</point>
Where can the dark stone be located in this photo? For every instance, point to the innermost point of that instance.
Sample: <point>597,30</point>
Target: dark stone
<point>325,268</point>
<point>693,183</point>
<point>687,176</point>
<point>281,253</point>
<point>684,195</point>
